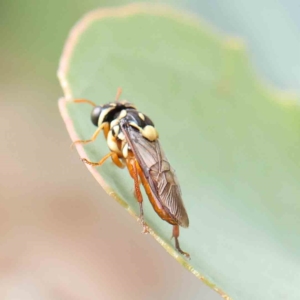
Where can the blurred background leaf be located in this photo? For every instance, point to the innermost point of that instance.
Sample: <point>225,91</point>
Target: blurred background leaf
<point>50,208</point>
<point>271,30</point>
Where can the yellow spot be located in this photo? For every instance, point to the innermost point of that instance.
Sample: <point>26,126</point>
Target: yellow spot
<point>135,125</point>
<point>122,114</point>
<point>125,150</point>
<point>150,133</point>
<point>114,123</point>
<point>142,116</point>
<point>111,142</point>
<point>116,129</point>
<point>121,136</point>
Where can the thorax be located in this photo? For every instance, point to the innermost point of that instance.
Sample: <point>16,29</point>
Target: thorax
<point>116,139</point>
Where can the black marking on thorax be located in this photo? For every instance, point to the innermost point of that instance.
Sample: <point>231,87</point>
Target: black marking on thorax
<point>114,113</point>
<point>135,116</point>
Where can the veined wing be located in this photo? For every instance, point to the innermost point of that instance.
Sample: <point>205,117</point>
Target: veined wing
<point>158,172</point>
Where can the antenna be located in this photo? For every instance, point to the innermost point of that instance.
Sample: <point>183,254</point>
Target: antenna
<point>118,95</point>
<point>84,101</point>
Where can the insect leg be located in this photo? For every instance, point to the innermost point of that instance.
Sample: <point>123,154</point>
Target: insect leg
<point>176,235</point>
<point>106,129</point>
<point>116,160</point>
<point>133,170</point>
<point>103,126</point>
<point>114,157</point>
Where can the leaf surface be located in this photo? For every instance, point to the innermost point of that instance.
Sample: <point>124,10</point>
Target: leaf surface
<point>235,145</point>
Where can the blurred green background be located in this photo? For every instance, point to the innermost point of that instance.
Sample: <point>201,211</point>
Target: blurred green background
<point>61,236</point>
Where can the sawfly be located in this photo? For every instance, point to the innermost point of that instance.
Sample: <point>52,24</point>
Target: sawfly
<point>133,142</point>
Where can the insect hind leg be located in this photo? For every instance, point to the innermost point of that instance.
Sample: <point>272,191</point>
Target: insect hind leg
<point>175,235</point>
<point>133,170</point>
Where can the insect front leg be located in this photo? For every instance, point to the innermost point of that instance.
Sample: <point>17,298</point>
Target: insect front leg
<point>175,235</point>
<point>133,170</point>
<point>114,157</point>
<point>104,127</point>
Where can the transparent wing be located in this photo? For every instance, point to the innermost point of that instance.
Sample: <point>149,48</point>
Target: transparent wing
<point>158,172</point>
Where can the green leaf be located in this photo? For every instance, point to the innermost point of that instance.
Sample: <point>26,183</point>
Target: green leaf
<point>235,144</point>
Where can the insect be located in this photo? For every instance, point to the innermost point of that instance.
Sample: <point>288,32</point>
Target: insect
<point>133,142</point>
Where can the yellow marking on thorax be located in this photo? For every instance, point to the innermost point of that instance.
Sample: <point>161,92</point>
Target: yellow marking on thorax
<point>114,123</point>
<point>150,133</point>
<point>122,114</point>
<point>112,143</point>
<point>135,125</point>
<point>142,116</point>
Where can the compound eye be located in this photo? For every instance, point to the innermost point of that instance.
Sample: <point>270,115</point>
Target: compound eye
<point>96,112</point>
